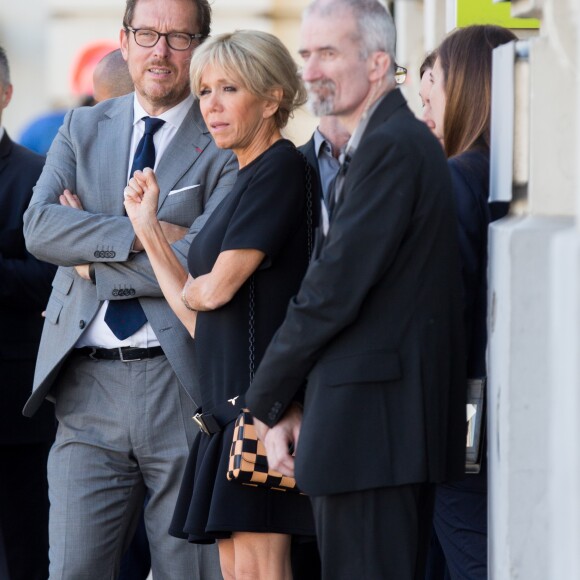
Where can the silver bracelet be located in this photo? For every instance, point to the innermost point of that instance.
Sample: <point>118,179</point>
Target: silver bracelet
<point>185,302</point>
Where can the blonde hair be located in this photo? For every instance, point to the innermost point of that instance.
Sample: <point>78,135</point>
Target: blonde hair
<point>259,62</point>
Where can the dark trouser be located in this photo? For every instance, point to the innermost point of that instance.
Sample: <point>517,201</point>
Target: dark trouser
<point>460,530</point>
<point>374,534</point>
<point>305,559</point>
<point>24,510</point>
<point>136,562</point>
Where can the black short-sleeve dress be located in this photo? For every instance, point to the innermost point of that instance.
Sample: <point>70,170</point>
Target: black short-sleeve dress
<point>266,210</point>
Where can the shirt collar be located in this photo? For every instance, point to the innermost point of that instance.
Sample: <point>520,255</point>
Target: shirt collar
<point>1,132</point>
<point>321,144</point>
<point>173,116</point>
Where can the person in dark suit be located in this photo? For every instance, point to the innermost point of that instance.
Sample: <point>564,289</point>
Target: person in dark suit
<point>462,124</point>
<point>24,291</point>
<point>322,151</point>
<point>375,332</point>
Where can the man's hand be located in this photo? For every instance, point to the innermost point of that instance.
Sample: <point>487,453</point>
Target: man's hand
<point>280,438</point>
<point>83,271</point>
<point>69,199</point>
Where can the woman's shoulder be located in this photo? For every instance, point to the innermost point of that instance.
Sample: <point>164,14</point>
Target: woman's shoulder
<point>472,166</point>
<point>284,149</point>
<point>281,160</point>
<point>470,178</point>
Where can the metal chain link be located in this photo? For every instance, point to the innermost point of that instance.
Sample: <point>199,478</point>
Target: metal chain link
<point>309,202</point>
<point>252,294</point>
<point>309,214</point>
<point>251,331</point>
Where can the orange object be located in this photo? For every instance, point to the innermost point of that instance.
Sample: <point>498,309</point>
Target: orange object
<point>81,79</point>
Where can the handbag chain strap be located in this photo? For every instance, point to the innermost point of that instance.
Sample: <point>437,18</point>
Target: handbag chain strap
<point>252,292</point>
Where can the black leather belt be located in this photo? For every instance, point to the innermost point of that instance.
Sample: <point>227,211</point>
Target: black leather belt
<point>122,353</point>
<point>217,418</point>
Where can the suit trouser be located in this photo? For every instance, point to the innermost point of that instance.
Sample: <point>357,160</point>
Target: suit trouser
<point>376,534</point>
<point>124,430</point>
<point>460,526</point>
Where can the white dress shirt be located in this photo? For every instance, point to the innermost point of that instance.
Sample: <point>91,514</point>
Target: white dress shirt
<point>98,333</point>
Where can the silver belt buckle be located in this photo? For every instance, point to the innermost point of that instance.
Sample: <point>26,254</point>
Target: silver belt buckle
<point>120,349</point>
<point>198,418</point>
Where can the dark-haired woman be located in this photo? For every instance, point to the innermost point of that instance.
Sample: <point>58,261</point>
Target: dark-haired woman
<point>460,108</point>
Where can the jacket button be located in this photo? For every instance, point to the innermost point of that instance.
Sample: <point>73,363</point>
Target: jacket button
<point>82,324</point>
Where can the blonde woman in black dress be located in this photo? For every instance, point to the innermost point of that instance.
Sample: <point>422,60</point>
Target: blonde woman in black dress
<point>248,86</point>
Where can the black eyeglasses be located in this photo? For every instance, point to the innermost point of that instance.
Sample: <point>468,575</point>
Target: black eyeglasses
<point>175,40</point>
<point>400,74</point>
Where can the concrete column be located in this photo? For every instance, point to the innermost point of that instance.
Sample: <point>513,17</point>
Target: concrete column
<point>520,395</point>
<point>564,478</point>
<point>534,325</point>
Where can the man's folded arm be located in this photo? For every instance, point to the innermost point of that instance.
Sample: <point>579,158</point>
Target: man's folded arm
<point>137,273</point>
<point>66,236</point>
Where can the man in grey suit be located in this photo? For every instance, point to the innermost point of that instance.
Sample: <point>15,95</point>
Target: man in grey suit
<point>124,398</point>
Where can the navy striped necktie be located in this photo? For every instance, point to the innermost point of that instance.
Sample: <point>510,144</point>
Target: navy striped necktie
<point>125,317</point>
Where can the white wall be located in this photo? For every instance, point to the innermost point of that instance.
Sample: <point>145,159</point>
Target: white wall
<point>42,51</point>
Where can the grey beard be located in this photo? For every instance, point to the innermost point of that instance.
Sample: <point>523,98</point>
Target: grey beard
<point>321,105</point>
<point>320,108</point>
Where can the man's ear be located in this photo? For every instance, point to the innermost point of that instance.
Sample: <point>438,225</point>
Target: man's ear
<point>124,43</point>
<point>6,96</point>
<point>379,63</point>
<point>272,104</point>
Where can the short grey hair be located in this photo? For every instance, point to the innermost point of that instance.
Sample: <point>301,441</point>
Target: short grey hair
<point>4,68</point>
<point>258,61</point>
<point>374,23</point>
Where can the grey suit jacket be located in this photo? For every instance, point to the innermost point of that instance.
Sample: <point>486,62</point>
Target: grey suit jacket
<point>90,156</point>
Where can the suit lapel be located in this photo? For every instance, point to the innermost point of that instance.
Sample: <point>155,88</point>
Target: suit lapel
<point>114,141</point>
<point>5,148</point>
<point>183,151</point>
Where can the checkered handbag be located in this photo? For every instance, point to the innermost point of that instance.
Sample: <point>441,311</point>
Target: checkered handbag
<point>248,463</point>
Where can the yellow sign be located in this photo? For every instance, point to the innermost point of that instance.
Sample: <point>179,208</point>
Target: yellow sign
<point>487,12</point>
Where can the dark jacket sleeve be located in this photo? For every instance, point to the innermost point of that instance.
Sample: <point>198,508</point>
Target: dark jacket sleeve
<point>368,226</point>
<point>26,281</point>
